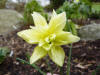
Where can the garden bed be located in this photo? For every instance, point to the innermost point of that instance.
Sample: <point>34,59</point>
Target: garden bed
<point>85,57</point>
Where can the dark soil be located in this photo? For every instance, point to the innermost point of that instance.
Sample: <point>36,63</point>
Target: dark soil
<point>85,57</point>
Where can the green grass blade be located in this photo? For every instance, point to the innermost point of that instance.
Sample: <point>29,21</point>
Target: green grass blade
<point>33,65</point>
<point>69,61</point>
<point>47,62</point>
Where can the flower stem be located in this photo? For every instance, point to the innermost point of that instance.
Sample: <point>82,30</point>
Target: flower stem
<point>47,61</point>
<point>69,61</point>
<point>61,70</point>
<point>33,65</point>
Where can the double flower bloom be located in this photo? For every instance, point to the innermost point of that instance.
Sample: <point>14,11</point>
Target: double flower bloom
<point>49,37</point>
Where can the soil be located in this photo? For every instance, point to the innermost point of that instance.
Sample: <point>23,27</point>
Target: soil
<point>85,57</point>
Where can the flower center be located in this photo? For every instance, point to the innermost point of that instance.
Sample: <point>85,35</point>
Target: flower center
<point>50,38</point>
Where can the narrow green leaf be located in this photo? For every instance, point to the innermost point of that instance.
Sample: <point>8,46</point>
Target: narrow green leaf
<point>33,65</point>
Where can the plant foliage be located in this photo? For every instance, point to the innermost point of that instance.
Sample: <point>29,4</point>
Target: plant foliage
<point>95,11</point>
<point>4,51</point>
<point>74,10</point>
<point>70,27</point>
<point>2,3</point>
<point>30,7</point>
<point>56,3</point>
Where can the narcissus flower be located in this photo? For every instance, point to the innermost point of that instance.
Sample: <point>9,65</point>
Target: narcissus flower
<point>49,37</point>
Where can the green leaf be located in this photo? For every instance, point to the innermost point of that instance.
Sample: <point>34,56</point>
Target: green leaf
<point>57,55</point>
<point>70,27</point>
<point>33,65</point>
<point>38,53</point>
<point>4,51</point>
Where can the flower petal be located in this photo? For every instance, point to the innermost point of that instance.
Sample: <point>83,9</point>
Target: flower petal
<point>39,20</point>
<point>57,23</point>
<point>57,55</point>
<point>38,53</point>
<point>31,36</point>
<point>47,46</point>
<point>63,38</point>
<point>54,14</point>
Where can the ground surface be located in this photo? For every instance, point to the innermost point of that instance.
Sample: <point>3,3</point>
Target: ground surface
<point>85,57</point>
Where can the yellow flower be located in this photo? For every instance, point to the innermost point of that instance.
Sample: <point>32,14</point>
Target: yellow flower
<point>49,37</point>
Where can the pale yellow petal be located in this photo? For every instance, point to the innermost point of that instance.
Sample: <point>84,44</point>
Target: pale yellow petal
<point>41,42</point>
<point>54,14</point>
<point>57,55</point>
<point>31,36</point>
<point>57,23</point>
<point>63,38</point>
<point>38,19</point>
<point>47,46</point>
<point>38,53</point>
